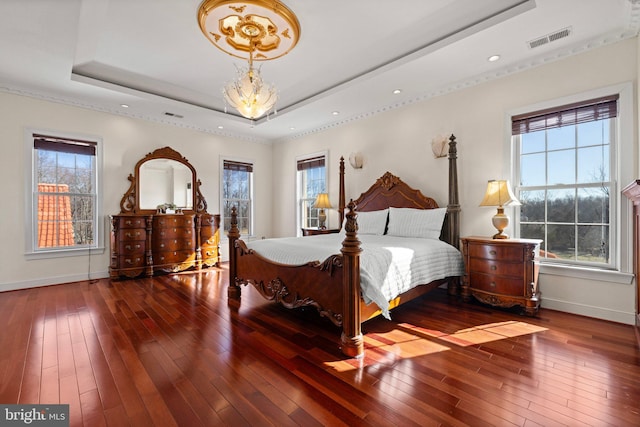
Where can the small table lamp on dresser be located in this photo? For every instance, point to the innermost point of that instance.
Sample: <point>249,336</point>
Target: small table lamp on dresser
<point>499,194</point>
<point>322,203</point>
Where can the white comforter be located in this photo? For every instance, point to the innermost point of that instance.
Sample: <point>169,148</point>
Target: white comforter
<point>389,265</point>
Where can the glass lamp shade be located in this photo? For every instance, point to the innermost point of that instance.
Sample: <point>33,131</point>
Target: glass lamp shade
<point>249,94</point>
<point>499,194</point>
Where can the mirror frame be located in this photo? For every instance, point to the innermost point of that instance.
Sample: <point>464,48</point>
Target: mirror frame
<point>130,202</point>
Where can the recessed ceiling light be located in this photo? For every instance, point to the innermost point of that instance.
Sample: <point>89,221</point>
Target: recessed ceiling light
<point>397,91</point>
<point>292,128</point>
<point>493,58</point>
<point>220,127</point>
<point>335,113</point>
<point>124,105</point>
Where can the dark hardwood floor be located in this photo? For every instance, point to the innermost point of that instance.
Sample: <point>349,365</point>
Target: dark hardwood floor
<point>172,351</point>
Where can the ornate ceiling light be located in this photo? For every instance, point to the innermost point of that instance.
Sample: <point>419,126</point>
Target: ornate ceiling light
<point>255,30</point>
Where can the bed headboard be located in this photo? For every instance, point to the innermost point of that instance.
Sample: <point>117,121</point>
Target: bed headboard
<point>391,191</point>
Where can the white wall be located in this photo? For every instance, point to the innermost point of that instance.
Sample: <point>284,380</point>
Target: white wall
<point>125,141</point>
<point>399,141</point>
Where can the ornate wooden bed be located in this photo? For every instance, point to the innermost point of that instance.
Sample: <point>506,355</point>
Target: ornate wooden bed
<point>332,286</point>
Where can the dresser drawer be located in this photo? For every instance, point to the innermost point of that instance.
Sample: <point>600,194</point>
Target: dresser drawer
<point>127,234</point>
<point>173,233</point>
<point>173,257</point>
<point>497,268</point>
<point>132,247</point>
<point>496,251</point>
<point>497,284</point>
<point>174,245</point>
<point>173,221</point>
<point>131,222</point>
<point>137,260</point>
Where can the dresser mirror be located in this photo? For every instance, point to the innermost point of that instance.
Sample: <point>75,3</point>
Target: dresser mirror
<point>163,180</point>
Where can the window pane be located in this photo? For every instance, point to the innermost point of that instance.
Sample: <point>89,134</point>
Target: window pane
<point>562,167</point>
<point>593,205</point>
<point>593,164</point>
<point>561,206</point>
<point>561,241</point>
<point>532,209</point>
<point>532,167</point>
<point>532,231</point>
<point>593,133</point>
<point>593,243</point>
<point>533,142</point>
<point>561,138</point>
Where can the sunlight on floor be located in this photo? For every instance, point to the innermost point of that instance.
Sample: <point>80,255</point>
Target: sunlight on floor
<point>408,341</point>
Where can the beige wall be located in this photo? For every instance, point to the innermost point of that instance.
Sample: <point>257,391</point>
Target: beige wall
<point>125,141</point>
<point>399,141</point>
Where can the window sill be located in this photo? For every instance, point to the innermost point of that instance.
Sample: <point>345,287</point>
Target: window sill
<point>63,253</point>
<point>595,274</point>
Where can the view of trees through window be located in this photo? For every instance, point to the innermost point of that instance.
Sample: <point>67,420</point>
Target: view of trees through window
<point>236,191</point>
<point>565,186</point>
<point>65,180</point>
<point>311,182</point>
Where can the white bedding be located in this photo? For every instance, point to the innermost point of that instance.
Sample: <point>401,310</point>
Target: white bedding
<point>389,265</point>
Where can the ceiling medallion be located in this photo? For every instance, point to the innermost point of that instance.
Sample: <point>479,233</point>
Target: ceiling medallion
<point>256,30</point>
<point>233,26</point>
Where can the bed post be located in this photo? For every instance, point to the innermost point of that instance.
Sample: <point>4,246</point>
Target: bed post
<point>453,208</point>
<point>233,291</point>
<point>351,339</point>
<point>341,194</point>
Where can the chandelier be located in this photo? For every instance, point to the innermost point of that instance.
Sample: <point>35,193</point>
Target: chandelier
<point>256,30</point>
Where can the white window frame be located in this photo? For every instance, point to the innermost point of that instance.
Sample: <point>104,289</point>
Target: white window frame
<point>31,215</point>
<point>251,196</point>
<point>324,154</point>
<point>621,174</point>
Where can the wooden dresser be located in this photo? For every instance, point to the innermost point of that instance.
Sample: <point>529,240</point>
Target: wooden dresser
<point>144,239</point>
<point>502,272</point>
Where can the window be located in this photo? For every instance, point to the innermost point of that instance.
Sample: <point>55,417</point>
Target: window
<point>237,183</point>
<point>311,180</point>
<point>64,202</point>
<point>566,174</point>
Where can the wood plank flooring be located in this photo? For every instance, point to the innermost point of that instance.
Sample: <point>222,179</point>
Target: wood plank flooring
<point>172,350</point>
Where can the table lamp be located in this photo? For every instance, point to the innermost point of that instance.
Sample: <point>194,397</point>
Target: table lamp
<point>322,203</point>
<point>499,194</point>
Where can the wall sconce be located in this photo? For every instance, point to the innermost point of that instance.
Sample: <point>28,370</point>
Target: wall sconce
<point>499,194</point>
<point>439,146</point>
<point>355,160</point>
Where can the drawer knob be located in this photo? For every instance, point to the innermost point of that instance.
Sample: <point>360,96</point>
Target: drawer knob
<point>492,284</point>
<point>492,252</point>
<point>494,268</point>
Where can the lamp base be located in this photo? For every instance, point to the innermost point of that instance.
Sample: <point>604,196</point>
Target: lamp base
<point>322,219</point>
<point>500,222</point>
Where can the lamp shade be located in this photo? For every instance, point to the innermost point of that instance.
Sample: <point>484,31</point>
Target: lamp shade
<point>322,202</point>
<point>499,194</point>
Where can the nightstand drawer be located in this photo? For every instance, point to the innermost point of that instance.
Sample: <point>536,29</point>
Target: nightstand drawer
<point>496,268</point>
<point>496,284</point>
<point>496,251</point>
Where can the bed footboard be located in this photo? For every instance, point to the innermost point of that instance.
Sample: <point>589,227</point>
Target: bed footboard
<point>338,298</point>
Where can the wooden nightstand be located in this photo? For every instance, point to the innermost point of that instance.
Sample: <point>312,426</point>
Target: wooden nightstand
<point>502,273</point>
<point>316,231</point>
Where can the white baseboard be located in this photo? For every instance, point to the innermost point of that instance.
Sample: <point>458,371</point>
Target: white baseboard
<point>589,311</point>
<point>47,281</point>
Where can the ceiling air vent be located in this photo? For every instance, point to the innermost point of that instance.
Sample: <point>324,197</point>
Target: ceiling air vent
<point>557,35</point>
<point>177,116</point>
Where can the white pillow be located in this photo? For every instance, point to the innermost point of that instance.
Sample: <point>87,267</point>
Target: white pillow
<point>372,222</point>
<point>423,223</point>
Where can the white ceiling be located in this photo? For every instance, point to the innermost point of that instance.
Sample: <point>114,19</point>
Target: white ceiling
<point>152,56</point>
